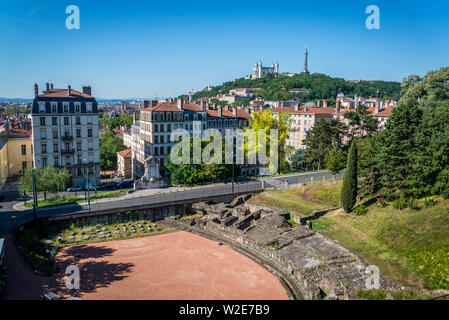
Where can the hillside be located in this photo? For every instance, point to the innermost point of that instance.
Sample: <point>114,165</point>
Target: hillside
<point>409,246</point>
<point>321,87</point>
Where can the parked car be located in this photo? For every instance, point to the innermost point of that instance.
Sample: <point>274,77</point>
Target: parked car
<point>91,187</point>
<point>109,186</point>
<point>73,189</point>
<point>125,185</point>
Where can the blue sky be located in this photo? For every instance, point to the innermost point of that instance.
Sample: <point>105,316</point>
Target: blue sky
<point>166,48</point>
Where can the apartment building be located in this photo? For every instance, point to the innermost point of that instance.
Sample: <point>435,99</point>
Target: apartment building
<point>303,119</point>
<point>151,135</point>
<point>15,149</point>
<point>65,132</point>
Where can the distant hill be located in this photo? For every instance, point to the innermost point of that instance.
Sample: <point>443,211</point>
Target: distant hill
<point>320,86</point>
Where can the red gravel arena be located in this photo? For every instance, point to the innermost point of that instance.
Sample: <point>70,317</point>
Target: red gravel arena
<point>172,266</point>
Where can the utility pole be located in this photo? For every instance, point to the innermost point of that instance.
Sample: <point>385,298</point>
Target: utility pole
<point>33,182</point>
<point>86,174</point>
<point>233,176</point>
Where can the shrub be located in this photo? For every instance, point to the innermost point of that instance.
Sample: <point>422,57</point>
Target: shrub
<point>400,204</point>
<point>349,186</point>
<point>446,194</point>
<point>381,202</point>
<point>72,226</point>
<point>428,202</point>
<point>361,210</point>
<point>413,204</point>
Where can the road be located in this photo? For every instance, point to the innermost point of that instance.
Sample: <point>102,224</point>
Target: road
<point>153,197</point>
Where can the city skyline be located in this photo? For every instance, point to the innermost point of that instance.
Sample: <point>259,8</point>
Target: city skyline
<point>147,49</point>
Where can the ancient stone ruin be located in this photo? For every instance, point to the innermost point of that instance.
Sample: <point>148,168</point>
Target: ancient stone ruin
<point>322,267</point>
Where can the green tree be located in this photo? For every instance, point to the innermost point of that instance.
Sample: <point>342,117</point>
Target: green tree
<point>48,180</point>
<point>109,146</point>
<point>336,160</point>
<point>321,138</point>
<point>349,186</point>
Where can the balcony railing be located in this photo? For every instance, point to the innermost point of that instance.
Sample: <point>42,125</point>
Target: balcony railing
<point>67,138</point>
<point>68,151</point>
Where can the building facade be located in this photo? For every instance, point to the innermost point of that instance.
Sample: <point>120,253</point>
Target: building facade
<point>124,163</point>
<point>65,133</point>
<point>15,150</point>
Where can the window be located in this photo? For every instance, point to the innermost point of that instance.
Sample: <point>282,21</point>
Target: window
<point>162,128</point>
<point>24,149</point>
<point>90,145</point>
<point>80,160</point>
<point>66,134</point>
<point>89,133</point>
<point>77,107</point>
<point>41,108</point>
<point>54,121</point>
<point>24,164</point>
<point>66,107</point>
<point>42,121</point>
<point>44,162</point>
<point>169,127</point>
<point>54,107</point>
<point>55,147</point>
<point>43,148</point>
<point>55,134</point>
<point>78,146</point>
<point>67,147</point>
<point>56,162</point>
<point>162,139</point>
<point>66,121</point>
<point>78,120</point>
<point>78,133</point>
<point>89,107</point>
<point>156,139</point>
<point>43,134</point>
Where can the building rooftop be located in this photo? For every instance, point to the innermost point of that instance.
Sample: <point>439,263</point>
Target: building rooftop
<point>125,153</point>
<point>63,93</point>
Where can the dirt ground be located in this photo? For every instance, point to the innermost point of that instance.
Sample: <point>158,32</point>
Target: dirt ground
<point>177,265</point>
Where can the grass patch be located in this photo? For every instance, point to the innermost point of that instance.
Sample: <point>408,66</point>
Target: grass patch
<point>408,246</point>
<point>58,201</point>
<point>109,194</point>
<point>318,225</point>
<point>289,219</point>
<point>273,244</point>
<point>192,216</point>
<point>303,200</point>
<point>31,238</point>
<point>382,295</point>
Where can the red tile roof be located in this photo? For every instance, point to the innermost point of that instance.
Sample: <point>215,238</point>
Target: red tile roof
<point>63,93</point>
<point>310,109</point>
<point>125,153</point>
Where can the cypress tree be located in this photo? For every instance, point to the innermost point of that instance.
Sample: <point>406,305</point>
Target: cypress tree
<point>349,187</point>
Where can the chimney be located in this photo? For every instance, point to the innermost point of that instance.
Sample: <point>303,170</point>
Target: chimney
<point>319,103</point>
<point>207,105</point>
<point>154,103</point>
<point>48,86</point>
<point>203,105</point>
<point>297,107</point>
<point>220,112</point>
<point>87,90</point>
<point>36,90</point>
<point>170,100</point>
<point>305,108</point>
<point>51,86</point>
<point>234,111</point>
<point>145,104</point>
<point>180,103</point>
<point>324,103</point>
<point>69,91</point>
